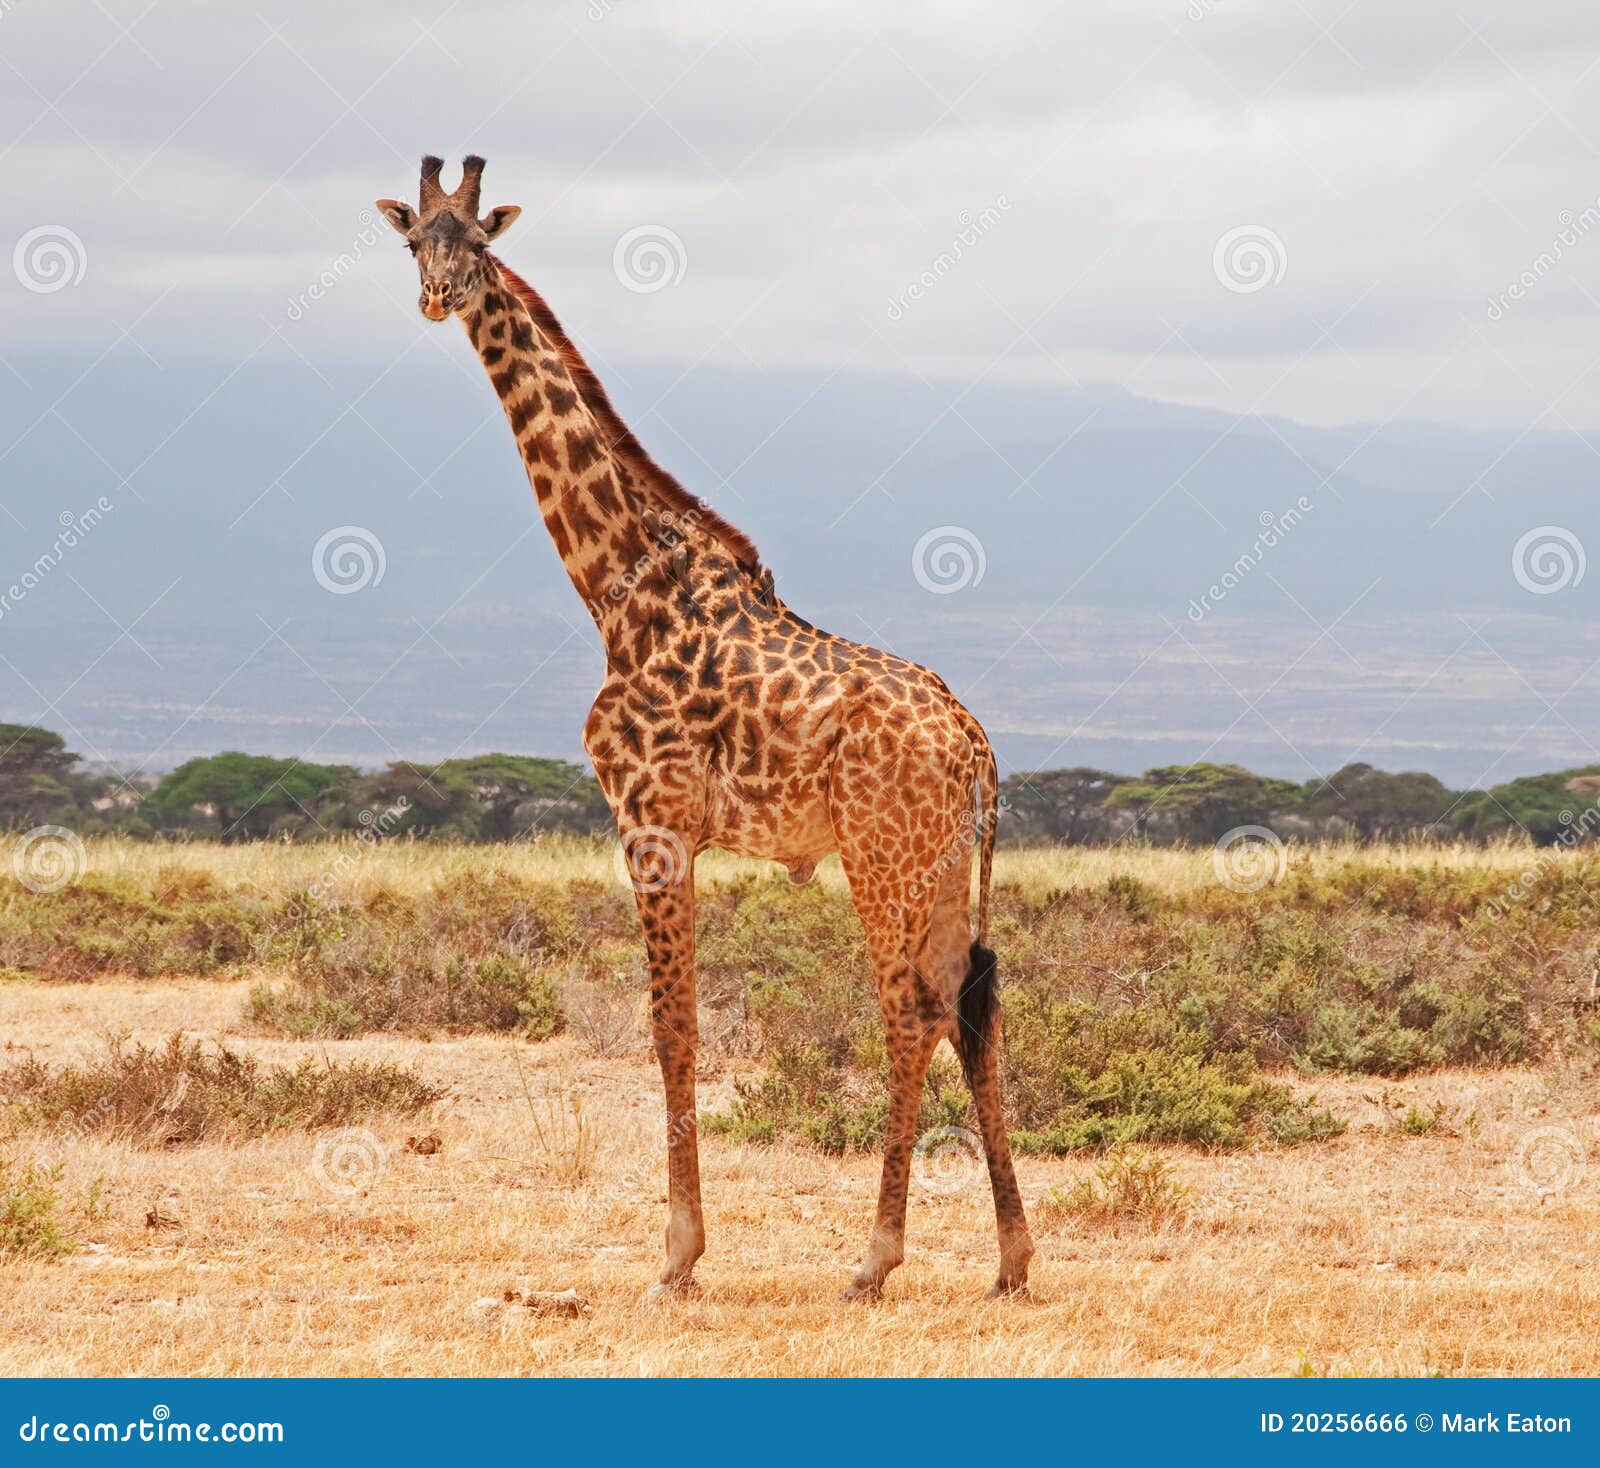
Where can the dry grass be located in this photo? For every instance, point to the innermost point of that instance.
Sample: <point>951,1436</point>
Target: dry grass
<point>1378,1252</point>
<point>360,870</point>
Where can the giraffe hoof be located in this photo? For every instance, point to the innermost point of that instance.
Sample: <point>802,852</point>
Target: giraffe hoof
<point>684,1288</point>
<point>869,1290</point>
<point>1008,1289</point>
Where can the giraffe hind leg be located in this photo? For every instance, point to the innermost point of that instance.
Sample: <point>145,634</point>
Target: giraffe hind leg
<point>975,1035</point>
<point>914,1021</point>
<point>905,833</point>
<point>978,1046</point>
<point>912,1033</point>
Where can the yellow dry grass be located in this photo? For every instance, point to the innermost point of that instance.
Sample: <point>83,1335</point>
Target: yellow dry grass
<point>1376,1253</point>
<point>356,868</point>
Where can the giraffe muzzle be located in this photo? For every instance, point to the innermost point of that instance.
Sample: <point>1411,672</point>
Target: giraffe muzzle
<point>437,299</point>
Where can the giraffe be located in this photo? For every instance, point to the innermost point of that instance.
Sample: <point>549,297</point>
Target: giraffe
<point>726,719</point>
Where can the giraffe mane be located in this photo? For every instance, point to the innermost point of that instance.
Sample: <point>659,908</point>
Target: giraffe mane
<point>656,482</point>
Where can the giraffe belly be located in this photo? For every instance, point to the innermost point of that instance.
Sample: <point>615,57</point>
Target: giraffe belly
<point>758,823</point>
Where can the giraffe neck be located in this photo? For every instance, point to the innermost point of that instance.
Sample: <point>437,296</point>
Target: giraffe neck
<point>609,539</point>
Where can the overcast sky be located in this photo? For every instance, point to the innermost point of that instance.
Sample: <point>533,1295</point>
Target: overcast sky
<point>1393,168</point>
<point>857,272</point>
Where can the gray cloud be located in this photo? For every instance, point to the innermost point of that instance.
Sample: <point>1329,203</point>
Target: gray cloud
<point>1413,159</point>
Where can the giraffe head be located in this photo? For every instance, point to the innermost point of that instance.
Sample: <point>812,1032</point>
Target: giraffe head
<point>447,238</point>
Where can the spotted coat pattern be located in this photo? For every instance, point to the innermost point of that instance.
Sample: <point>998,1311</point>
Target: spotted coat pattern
<point>726,719</point>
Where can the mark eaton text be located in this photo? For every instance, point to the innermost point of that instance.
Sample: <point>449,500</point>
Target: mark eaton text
<point>1502,1422</point>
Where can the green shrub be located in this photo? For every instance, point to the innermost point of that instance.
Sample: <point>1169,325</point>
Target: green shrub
<point>29,1221</point>
<point>1131,1186</point>
<point>806,1095</point>
<point>289,1012</point>
<point>1154,1096</point>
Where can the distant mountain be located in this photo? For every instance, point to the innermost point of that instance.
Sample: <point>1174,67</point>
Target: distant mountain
<point>1101,520</point>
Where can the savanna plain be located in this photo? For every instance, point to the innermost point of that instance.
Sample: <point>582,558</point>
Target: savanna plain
<point>363,1107</point>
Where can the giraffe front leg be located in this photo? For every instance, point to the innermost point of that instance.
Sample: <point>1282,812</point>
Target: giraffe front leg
<point>667,915</point>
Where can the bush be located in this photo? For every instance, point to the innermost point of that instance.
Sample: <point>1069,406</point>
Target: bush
<point>183,1091</point>
<point>790,964</point>
<point>289,1012</point>
<point>805,1095</point>
<point>470,955</point>
<point>1135,1010</point>
<point>29,1222</point>
<point>1130,1186</point>
<point>1136,1016</point>
<point>102,925</point>
<point>354,989</point>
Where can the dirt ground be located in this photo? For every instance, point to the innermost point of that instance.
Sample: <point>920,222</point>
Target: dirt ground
<point>1468,1249</point>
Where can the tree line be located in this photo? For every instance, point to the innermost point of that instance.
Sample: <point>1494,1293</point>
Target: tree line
<point>253,797</point>
<point>497,797</point>
<point>1202,802</point>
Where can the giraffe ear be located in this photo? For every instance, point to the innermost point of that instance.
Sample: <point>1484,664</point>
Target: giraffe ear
<point>499,219</point>
<point>401,216</point>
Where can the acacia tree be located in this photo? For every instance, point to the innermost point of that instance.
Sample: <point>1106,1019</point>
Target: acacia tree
<point>38,781</point>
<point>1201,802</point>
<point>254,795</point>
<point>1069,806</point>
<point>435,800</point>
<point>1548,808</point>
<point>560,793</point>
<point>1376,803</point>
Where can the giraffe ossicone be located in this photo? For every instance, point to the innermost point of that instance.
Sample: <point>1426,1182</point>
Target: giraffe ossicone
<point>725,719</point>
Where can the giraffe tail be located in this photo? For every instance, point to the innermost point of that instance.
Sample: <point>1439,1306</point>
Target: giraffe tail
<point>988,820</point>
<point>978,1003</point>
